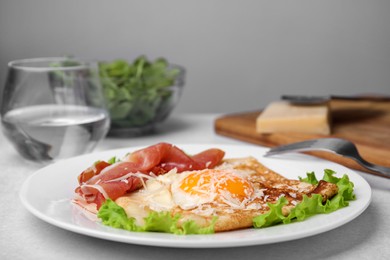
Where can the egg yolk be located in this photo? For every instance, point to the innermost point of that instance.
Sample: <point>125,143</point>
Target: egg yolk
<point>207,181</point>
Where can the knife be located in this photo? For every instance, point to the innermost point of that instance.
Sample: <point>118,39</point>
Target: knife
<point>311,100</point>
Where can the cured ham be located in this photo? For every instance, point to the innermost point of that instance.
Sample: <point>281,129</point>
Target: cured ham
<point>103,180</point>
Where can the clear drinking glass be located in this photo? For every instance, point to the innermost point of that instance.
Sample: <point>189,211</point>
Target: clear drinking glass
<point>53,108</point>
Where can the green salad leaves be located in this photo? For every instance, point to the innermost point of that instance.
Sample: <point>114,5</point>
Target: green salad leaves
<point>115,216</point>
<point>309,206</point>
<point>137,92</point>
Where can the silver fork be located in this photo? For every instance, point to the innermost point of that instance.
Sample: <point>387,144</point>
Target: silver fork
<point>335,145</point>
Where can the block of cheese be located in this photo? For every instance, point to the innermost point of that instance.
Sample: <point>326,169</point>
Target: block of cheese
<point>283,117</point>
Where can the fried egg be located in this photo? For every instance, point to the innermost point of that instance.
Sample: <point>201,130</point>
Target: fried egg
<point>235,191</point>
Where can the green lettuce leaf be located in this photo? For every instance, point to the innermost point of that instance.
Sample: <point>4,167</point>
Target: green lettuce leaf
<point>273,216</point>
<point>309,206</point>
<point>311,178</point>
<point>161,222</point>
<point>113,160</point>
<point>190,227</point>
<point>115,216</point>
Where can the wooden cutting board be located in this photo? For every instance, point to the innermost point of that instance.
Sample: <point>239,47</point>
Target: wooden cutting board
<point>365,123</point>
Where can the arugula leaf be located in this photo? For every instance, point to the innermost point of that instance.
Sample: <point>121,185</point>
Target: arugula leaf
<point>115,216</point>
<point>136,91</point>
<point>309,206</point>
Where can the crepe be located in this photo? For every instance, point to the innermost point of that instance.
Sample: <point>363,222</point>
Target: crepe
<point>235,191</point>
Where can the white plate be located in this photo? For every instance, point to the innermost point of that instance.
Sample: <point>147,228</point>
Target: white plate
<point>48,192</point>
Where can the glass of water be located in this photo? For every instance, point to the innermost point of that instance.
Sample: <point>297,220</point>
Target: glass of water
<point>53,108</point>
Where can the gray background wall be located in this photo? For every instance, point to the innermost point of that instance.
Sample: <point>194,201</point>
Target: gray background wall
<point>239,55</point>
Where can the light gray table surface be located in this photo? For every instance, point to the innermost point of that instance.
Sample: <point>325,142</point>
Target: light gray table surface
<point>24,236</point>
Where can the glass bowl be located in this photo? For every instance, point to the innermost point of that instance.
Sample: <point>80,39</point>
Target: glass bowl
<point>139,103</point>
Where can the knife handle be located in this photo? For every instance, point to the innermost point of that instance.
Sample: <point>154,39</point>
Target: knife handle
<point>363,97</point>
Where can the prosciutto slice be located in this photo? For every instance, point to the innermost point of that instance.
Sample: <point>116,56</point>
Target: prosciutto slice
<point>104,180</point>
